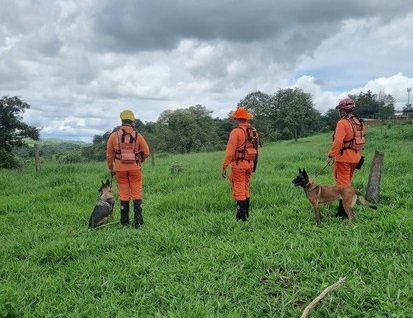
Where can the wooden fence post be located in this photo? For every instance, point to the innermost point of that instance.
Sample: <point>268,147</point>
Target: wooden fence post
<point>373,186</point>
<point>37,157</point>
<point>152,158</point>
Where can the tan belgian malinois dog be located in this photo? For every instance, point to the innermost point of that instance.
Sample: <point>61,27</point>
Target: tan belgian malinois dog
<point>318,194</point>
<point>104,207</point>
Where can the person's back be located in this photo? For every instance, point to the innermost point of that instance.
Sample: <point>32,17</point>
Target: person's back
<point>125,143</point>
<point>124,161</point>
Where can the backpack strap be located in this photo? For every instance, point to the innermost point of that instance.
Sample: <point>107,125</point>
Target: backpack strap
<point>121,134</point>
<point>240,151</point>
<point>133,135</point>
<point>244,144</point>
<point>348,144</point>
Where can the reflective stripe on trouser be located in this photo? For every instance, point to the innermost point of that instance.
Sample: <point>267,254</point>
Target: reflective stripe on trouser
<point>129,184</point>
<point>343,172</point>
<point>239,178</point>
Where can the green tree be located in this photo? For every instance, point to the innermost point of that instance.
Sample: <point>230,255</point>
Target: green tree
<point>264,110</point>
<point>386,106</point>
<point>223,128</point>
<point>149,133</point>
<point>366,104</point>
<point>13,130</point>
<point>369,105</point>
<point>331,118</point>
<point>97,151</point>
<point>297,115</point>
<point>385,111</point>
<point>186,130</point>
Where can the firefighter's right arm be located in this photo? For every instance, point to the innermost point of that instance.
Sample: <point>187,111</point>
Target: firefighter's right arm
<point>143,148</point>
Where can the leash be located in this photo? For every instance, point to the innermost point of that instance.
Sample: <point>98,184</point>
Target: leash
<point>318,173</point>
<point>106,224</point>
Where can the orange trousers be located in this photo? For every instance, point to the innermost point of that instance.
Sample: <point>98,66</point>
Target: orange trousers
<point>343,172</point>
<point>239,179</point>
<point>129,185</point>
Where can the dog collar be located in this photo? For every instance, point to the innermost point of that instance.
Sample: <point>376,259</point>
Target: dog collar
<point>308,186</point>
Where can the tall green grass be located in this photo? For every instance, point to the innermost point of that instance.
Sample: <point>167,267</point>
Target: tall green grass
<point>191,259</point>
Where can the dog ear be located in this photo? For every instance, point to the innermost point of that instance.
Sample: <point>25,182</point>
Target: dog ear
<point>299,170</point>
<point>304,172</point>
<point>108,182</point>
<point>102,185</point>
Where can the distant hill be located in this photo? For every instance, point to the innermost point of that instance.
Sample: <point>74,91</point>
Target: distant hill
<point>51,147</point>
<point>53,141</point>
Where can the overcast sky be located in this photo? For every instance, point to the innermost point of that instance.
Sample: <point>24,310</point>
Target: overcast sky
<point>78,64</point>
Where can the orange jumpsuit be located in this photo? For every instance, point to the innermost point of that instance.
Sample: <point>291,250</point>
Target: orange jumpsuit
<point>345,162</point>
<point>128,176</point>
<point>241,171</point>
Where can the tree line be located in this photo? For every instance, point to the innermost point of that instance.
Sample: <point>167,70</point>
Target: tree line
<point>285,115</point>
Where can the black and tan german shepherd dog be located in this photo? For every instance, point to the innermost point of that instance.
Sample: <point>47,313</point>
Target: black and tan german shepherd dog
<point>104,207</point>
<point>318,194</point>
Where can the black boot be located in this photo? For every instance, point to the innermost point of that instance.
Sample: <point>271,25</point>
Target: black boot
<point>124,213</point>
<point>341,212</point>
<point>137,208</point>
<point>241,211</point>
<point>247,204</point>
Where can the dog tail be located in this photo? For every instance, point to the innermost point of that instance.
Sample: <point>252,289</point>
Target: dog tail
<point>365,202</point>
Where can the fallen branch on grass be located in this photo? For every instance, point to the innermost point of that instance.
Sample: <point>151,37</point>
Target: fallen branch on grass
<point>315,302</point>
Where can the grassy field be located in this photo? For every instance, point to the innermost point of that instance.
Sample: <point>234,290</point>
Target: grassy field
<point>191,259</point>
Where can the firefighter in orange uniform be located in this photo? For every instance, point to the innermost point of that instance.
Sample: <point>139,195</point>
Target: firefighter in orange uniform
<point>241,154</point>
<point>125,151</point>
<point>346,150</point>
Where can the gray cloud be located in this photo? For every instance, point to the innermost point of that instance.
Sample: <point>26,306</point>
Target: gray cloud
<point>78,64</point>
<point>160,25</point>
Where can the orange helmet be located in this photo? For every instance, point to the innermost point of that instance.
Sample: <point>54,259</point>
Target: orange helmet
<point>346,104</point>
<point>241,113</point>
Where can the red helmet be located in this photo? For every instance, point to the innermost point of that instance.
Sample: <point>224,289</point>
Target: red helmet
<point>346,104</point>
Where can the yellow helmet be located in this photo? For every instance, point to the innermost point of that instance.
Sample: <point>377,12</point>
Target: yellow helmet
<point>127,115</point>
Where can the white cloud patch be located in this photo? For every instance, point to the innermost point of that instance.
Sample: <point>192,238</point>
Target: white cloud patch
<point>80,63</point>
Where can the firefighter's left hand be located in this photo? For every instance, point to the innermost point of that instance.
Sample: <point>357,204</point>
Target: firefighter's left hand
<point>330,160</point>
<point>224,173</point>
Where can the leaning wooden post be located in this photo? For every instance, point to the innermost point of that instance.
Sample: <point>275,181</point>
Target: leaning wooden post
<point>37,157</point>
<point>373,186</point>
<point>152,158</point>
